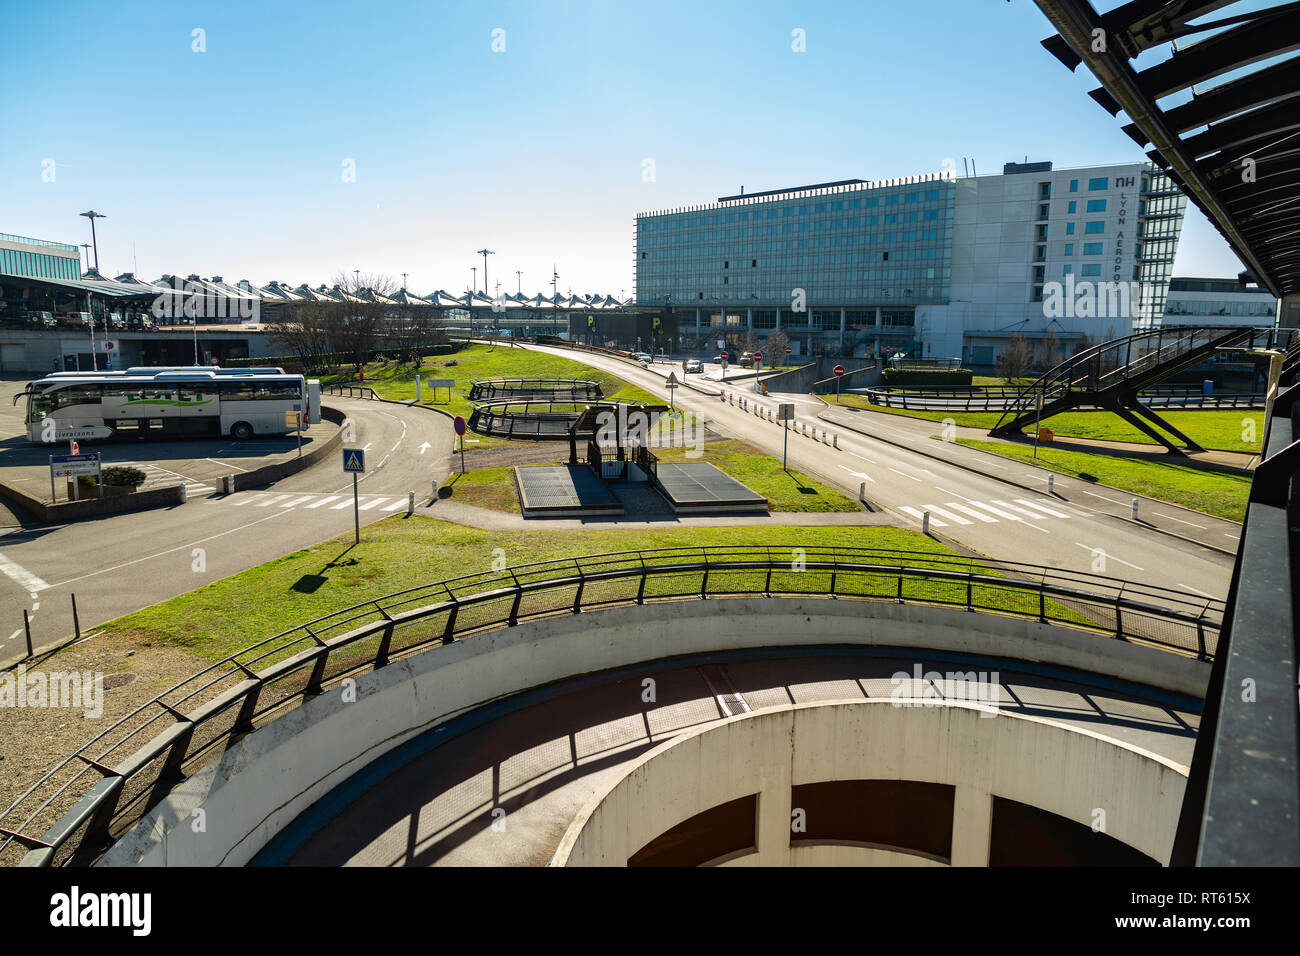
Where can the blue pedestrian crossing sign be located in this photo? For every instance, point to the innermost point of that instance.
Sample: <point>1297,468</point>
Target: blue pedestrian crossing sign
<point>354,459</point>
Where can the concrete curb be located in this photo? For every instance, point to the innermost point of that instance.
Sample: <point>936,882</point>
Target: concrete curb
<point>1007,481</point>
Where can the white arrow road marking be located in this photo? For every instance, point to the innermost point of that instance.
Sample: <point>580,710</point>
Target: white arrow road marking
<point>21,576</point>
<point>858,474</point>
<point>425,447</point>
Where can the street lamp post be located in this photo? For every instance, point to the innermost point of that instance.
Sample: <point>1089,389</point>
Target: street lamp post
<point>94,243</point>
<point>485,253</point>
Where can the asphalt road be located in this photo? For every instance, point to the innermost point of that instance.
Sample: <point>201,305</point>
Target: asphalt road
<point>1067,530</point>
<point>121,563</point>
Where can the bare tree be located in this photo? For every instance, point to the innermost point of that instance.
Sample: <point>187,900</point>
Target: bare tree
<point>776,345</point>
<point>362,320</point>
<point>1015,359</point>
<point>304,331</point>
<point>1051,351</point>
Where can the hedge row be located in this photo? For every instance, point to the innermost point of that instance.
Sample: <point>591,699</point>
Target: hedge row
<point>922,378</point>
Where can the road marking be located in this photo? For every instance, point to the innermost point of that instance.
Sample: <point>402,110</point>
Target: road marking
<point>903,473</point>
<point>370,504</point>
<point>21,576</point>
<point>1232,536</point>
<point>1021,508</point>
<point>936,510</point>
<point>1109,556</point>
<point>1159,514</point>
<point>1196,590</point>
<point>271,501</point>
<point>183,547</point>
<point>858,474</point>
<point>971,511</point>
<point>297,501</point>
<point>236,501</point>
<point>399,503</point>
<point>934,522</point>
<point>1114,501</point>
<point>341,506</point>
<point>325,500</point>
<point>225,464</point>
<point>863,457</point>
<point>1033,504</point>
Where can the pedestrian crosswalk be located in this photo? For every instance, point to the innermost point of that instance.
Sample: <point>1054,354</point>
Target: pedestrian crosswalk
<point>972,512</point>
<point>272,501</point>
<point>158,477</point>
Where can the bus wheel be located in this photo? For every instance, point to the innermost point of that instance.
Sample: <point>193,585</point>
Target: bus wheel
<point>241,431</point>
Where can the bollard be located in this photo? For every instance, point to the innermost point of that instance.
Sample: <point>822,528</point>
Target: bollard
<point>925,523</point>
<point>184,493</point>
<point>862,491</point>
<point>410,503</point>
<point>835,441</point>
<point>434,493</point>
<point>1135,509</point>
<point>1051,482</point>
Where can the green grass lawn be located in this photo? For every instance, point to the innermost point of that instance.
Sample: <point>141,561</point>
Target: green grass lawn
<point>785,491</point>
<point>399,553</point>
<point>396,380</point>
<point>1228,429</point>
<point>1215,493</point>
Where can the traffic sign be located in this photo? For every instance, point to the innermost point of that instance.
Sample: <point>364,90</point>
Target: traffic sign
<point>69,465</point>
<point>838,370</point>
<point>788,350</point>
<point>354,460</point>
<point>459,425</point>
<point>723,356</point>
<point>108,346</point>
<point>758,356</point>
<point>671,381</point>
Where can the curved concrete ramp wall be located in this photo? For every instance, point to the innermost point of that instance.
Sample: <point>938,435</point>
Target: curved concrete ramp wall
<point>979,752</point>
<point>259,785</point>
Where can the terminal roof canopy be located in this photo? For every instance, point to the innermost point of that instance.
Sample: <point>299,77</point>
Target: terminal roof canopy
<point>1227,130</point>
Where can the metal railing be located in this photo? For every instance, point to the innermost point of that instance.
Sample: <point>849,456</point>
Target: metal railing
<point>999,398</point>
<point>571,389</point>
<point>95,795</point>
<point>350,391</point>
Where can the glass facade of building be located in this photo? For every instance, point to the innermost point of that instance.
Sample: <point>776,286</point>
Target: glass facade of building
<point>33,260</point>
<point>868,245</point>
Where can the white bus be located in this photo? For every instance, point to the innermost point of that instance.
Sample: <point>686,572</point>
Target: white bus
<point>178,402</point>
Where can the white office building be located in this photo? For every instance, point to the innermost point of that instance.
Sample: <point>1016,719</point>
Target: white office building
<point>1200,301</point>
<point>932,266</point>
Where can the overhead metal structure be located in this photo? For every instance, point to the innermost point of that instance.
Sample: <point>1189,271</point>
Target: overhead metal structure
<point>1230,135</point>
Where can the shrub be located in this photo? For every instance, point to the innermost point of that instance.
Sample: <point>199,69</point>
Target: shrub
<point>123,475</point>
<point>933,378</point>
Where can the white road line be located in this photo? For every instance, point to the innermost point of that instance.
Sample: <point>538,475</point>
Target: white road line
<point>1009,505</point>
<point>271,501</point>
<point>236,500</point>
<point>903,473</point>
<point>1160,514</point>
<point>971,511</point>
<point>1232,536</point>
<point>183,547</point>
<point>919,516</point>
<point>936,510</point>
<point>341,506</point>
<point>1033,504</point>
<point>1114,501</point>
<point>1195,590</point>
<point>326,500</point>
<point>225,464</point>
<point>370,504</point>
<point>945,491</point>
<point>863,457</point>
<point>399,503</point>
<point>21,576</point>
<point>1109,556</point>
<point>297,501</point>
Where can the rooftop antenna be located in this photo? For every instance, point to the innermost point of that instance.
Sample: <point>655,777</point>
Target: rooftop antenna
<point>519,279</point>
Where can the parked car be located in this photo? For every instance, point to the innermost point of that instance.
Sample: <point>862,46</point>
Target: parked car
<point>692,365</point>
<point>747,360</point>
<point>42,320</point>
<point>642,356</point>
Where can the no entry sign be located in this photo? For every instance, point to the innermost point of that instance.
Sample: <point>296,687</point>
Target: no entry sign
<point>838,370</point>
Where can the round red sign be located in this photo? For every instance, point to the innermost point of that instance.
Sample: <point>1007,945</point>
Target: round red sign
<point>758,356</point>
<point>788,350</point>
<point>838,370</point>
<point>723,356</point>
<point>459,425</point>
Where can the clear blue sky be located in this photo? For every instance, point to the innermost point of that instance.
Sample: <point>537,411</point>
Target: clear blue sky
<point>229,162</point>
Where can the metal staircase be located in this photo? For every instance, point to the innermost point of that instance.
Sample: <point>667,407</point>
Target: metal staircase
<point>1111,375</point>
